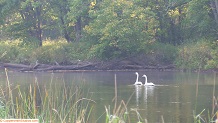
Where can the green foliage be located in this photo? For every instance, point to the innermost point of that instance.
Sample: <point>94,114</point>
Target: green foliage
<point>16,52</point>
<point>60,52</point>
<point>50,53</point>
<point>78,8</point>
<point>213,61</point>
<point>197,55</point>
<point>9,50</point>
<point>156,53</point>
<point>164,54</point>
<point>169,21</point>
<point>24,55</point>
<point>120,27</point>
<point>2,110</point>
<point>23,19</point>
<point>200,23</point>
<point>201,54</point>
<point>109,30</point>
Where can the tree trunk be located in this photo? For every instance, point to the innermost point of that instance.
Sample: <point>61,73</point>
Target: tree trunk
<point>38,25</point>
<point>214,6</point>
<point>63,12</point>
<point>65,32</point>
<point>32,18</point>
<point>78,29</point>
<point>216,14</point>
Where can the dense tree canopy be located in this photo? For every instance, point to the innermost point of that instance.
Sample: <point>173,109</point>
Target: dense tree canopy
<point>120,27</point>
<point>168,21</point>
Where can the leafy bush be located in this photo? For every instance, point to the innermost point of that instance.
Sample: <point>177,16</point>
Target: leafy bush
<point>52,51</point>
<point>195,55</point>
<point>60,52</point>
<point>213,61</point>
<point>156,53</point>
<point>9,50</point>
<point>43,54</point>
<point>164,53</point>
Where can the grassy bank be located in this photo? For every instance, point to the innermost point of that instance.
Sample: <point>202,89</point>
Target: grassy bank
<point>201,54</point>
<point>51,52</point>
<point>59,51</point>
<point>191,55</point>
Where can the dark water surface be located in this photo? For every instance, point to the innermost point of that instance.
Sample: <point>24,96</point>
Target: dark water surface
<point>173,99</point>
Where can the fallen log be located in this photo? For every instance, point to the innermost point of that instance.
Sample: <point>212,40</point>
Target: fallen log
<point>12,65</point>
<point>132,66</point>
<point>114,65</point>
<point>54,68</point>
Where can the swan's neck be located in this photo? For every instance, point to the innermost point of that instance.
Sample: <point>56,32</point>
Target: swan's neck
<point>137,78</point>
<point>146,80</point>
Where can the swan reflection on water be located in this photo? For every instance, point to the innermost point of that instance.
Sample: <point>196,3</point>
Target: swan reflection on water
<point>138,92</point>
<point>148,91</point>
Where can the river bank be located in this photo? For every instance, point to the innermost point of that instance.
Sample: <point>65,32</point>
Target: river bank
<point>118,65</point>
<point>87,65</point>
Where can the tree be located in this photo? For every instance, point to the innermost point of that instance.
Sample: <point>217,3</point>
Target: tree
<point>201,23</point>
<point>60,10</point>
<point>71,17</point>
<point>214,8</point>
<point>170,14</point>
<point>23,19</point>
<point>120,28</point>
<point>78,16</point>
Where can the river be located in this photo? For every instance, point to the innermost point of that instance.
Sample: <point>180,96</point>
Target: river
<point>174,98</point>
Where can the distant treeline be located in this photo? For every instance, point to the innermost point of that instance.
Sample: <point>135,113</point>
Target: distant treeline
<point>181,32</point>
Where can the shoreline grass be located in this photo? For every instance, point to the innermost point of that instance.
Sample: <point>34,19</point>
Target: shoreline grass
<point>54,106</point>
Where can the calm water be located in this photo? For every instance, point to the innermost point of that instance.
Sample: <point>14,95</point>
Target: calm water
<point>173,98</point>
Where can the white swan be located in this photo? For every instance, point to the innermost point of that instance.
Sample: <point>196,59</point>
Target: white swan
<point>137,79</point>
<point>146,81</point>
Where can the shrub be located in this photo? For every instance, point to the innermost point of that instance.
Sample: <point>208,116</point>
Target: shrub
<point>60,52</point>
<point>52,51</point>
<point>9,50</point>
<point>194,55</point>
<point>164,53</point>
<point>156,53</point>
